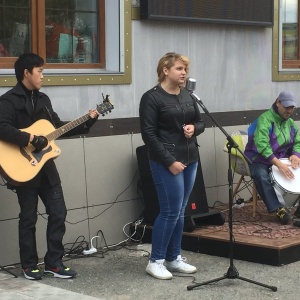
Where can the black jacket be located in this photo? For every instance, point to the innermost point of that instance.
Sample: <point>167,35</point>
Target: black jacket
<point>162,117</point>
<point>16,112</point>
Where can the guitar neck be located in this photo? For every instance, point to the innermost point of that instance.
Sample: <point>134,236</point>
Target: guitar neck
<point>67,127</point>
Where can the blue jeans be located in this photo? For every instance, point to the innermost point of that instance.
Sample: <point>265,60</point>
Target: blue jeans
<point>261,176</point>
<point>173,194</point>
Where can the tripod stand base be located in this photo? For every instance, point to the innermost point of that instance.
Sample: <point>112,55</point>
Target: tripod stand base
<point>3,269</point>
<point>232,273</point>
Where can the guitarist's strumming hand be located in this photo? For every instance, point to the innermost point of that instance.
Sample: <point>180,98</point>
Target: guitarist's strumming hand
<point>38,142</point>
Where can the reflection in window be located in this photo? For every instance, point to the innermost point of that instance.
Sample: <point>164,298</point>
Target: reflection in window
<point>65,33</point>
<point>14,27</point>
<point>72,31</point>
<point>290,41</point>
<point>289,29</point>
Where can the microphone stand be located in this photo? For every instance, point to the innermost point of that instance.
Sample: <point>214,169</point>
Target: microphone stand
<point>232,272</point>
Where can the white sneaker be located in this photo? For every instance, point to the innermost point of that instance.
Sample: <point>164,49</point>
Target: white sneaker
<point>179,265</point>
<point>158,270</point>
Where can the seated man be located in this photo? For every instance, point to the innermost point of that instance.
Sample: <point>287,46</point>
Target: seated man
<point>272,136</point>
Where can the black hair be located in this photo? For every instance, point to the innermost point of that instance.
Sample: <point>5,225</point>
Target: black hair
<point>27,61</point>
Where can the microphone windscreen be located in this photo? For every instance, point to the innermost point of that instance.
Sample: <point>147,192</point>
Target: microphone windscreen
<point>190,84</point>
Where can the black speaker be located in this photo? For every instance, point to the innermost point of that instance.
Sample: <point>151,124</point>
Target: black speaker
<point>197,207</point>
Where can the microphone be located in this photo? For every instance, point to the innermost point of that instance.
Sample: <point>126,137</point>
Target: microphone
<point>190,85</point>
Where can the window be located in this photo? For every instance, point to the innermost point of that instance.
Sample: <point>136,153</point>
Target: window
<point>14,36</point>
<point>286,43</point>
<point>289,34</point>
<point>73,36</point>
<point>61,31</point>
<point>74,32</point>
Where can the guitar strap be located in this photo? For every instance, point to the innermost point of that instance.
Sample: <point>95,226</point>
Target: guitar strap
<point>48,113</point>
<point>32,100</point>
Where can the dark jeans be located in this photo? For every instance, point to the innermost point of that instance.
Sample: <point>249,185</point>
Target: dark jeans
<point>53,199</point>
<point>261,176</point>
<point>173,194</point>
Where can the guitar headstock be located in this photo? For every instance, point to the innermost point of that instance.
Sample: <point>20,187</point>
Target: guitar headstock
<point>105,107</point>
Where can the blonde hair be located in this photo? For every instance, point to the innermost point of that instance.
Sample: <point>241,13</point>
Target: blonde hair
<point>167,61</point>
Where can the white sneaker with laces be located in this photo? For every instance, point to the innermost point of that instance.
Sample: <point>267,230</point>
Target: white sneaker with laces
<point>158,270</point>
<point>180,265</point>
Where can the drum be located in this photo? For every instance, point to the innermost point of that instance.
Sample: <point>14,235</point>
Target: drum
<point>288,189</point>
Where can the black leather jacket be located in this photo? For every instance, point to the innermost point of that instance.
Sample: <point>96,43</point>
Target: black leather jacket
<point>162,117</point>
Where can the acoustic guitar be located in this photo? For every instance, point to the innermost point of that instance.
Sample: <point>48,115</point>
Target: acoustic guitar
<point>21,164</point>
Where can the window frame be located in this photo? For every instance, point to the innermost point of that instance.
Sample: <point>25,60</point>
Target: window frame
<point>283,70</point>
<point>95,75</point>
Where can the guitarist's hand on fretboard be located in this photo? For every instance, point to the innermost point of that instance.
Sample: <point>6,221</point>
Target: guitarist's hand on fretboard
<point>93,114</point>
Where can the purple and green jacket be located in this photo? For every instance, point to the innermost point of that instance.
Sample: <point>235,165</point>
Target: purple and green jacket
<point>272,136</point>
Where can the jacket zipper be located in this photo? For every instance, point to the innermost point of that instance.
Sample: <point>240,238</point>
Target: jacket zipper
<point>187,140</point>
